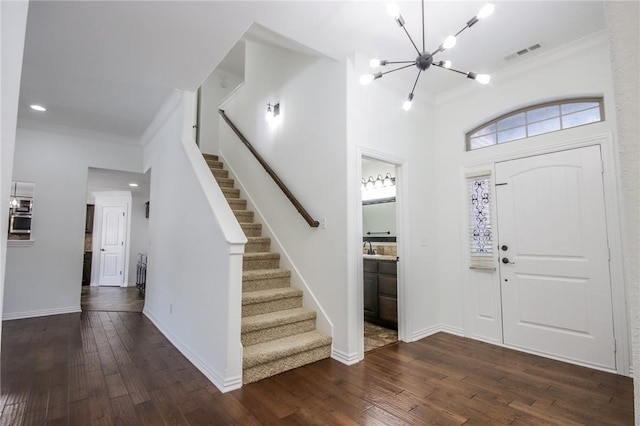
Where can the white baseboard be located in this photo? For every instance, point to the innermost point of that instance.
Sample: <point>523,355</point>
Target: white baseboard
<point>41,313</point>
<point>345,358</point>
<point>426,332</point>
<point>223,384</point>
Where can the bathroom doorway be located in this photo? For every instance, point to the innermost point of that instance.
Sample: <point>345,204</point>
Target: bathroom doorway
<point>380,253</point>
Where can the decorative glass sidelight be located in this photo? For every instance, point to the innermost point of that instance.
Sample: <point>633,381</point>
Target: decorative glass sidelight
<point>480,227</point>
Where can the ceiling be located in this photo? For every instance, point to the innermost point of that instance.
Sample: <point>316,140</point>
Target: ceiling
<point>108,66</point>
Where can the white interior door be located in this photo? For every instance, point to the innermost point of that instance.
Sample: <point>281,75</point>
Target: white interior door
<point>556,290</point>
<point>112,249</point>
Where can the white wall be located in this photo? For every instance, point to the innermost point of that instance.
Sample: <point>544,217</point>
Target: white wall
<point>556,75</point>
<point>214,90</point>
<point>623,22</point>
<point>58,164</point>
<point>379,127</point>
<point>307,152</point>
<point>13,23</point>
<point>194,272</point>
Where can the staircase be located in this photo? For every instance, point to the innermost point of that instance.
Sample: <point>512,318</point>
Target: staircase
<point>278,334</point>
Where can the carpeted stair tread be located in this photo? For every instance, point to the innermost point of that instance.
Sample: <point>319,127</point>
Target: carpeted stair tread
<point>231,192</point>
<point>212,157</point>
<point>265,273</point>
<point>214,164</point>
<point>274,319</point>
<point>251,229</point>
<point>225,182</point>
<point>262,255</point>
<point>268,295</point>
<point>276,349</point>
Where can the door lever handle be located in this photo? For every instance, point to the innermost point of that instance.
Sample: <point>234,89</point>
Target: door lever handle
<point>506,261</point>
<point>101,249</point>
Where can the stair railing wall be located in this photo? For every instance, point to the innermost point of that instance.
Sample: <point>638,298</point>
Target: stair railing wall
<point>305,214</point>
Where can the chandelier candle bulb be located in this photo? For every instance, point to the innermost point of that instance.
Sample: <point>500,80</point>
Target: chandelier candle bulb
<point>449,42</point>
<point>408,103</point>
<point>486,10</point>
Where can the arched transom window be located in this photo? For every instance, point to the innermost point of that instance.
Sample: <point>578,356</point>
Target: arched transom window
<point>536,120</point>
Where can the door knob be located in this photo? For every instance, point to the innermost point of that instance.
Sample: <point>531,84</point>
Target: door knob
<point>504,248</point>
<point>101,249</point>
<point>505,260</point>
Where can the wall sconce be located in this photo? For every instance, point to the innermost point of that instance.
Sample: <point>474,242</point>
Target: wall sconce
<point>272,115</point>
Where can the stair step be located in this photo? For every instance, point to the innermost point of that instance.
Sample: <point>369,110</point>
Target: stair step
<point>237,204</point>
<point>277,356</point>
<point>264,279</point>
<point>276,325</point>
<point>257,244</point>
<point>271,300</point>
<point>231,192</point>
<point>214,164</point>
<point>251,229</point>
<point>265,260</point>
<point>219,173</point>
<point>225,182</point>
<point>244,216</point>
<point>210,157</point>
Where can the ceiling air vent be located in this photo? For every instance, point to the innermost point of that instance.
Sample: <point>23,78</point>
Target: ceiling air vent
<point>522,52</point>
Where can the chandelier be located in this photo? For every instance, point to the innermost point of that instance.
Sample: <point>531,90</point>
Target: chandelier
<point>425,59</point>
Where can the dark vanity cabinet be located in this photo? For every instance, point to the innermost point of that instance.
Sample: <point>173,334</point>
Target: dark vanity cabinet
<point>381,292</point>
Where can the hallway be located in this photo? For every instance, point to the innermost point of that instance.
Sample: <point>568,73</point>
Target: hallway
<point>112,299</point>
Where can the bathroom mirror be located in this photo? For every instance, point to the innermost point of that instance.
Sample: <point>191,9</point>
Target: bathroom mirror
<point>379,221</point>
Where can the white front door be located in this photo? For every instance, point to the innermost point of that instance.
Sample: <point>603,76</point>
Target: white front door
<point>112,247</point>
<point>556,290</point>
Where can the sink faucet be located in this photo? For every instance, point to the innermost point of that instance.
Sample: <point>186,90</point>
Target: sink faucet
<point>370,251</point>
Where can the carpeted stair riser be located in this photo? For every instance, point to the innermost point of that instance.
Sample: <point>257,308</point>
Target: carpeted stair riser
<point>250,375</point>
<point>243,216</point>
<point>263,328</point>
<point>225,182</point>
<point>251,229</point>
<point>265,279</point>
<point>230,193</point>
<point>213,164</point>
<point>257,245</point>
<point>254,261</point>
<point>290,300</point>
<point>212,157</point>
<point>219,173</point>
<point>237,204</point>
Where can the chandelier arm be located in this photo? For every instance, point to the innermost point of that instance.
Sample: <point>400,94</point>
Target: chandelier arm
<point>397,69</point>
<point>423,37</point>
<point>450,69</point>
<point>416,82</point>
<point>460,32</point>
<point>410,39</point>
<point>400,62</point>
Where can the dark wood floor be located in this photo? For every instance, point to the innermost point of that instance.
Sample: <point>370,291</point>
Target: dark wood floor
<point>115,368</point>
<point>112,299</point>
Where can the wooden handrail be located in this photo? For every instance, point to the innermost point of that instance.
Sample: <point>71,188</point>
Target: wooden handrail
<point>311,221</point>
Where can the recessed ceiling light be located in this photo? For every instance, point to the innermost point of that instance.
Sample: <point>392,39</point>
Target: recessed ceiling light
<point>38,108</point>
<point>133,184</point>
